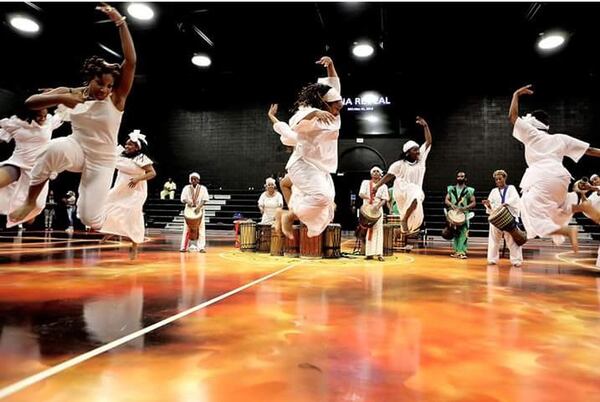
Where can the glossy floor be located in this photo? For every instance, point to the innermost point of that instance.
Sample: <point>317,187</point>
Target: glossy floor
<point>419,326</point>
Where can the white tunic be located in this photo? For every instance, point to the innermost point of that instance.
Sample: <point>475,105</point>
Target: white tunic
<point>124,205</point>
<point>269,205</point>
<point>513,203</point>
<point>31,140</point>
<point>408,186</point>
<point>374,244</point>
<point>545,206</point>
<point>192,195</point>
<point>511,199</point>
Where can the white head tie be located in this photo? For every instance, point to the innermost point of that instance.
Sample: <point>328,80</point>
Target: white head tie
<point>136,136</point>
<point>409,145</point>
<point>196,175</point>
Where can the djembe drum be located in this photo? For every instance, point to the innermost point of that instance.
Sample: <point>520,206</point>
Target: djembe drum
<point>311,248</point>
<point>332,241</point>
<point>248,236</point>
<point>505,221</point>
<point>292,246</point>
<point>263,237</point>
<point>277,243</point>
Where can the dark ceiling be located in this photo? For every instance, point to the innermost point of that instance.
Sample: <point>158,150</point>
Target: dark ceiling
<point>264,49</point>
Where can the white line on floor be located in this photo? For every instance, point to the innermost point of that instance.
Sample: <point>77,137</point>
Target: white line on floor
<point>26,382</point>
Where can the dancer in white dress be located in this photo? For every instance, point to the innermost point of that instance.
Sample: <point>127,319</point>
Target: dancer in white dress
<point>315,153</point>
<point>269,202</point>
<point>95,112</point>
<point>31,134</point>
<point>123,210</point>
<point>546,204</point>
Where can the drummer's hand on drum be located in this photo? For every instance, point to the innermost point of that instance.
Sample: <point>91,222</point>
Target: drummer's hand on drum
<point>486,203</point>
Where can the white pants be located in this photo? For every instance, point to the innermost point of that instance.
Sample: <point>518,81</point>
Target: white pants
<point>495,242</point>
<point>164,193</point>
<point>96,176</point>
<point>312,196</point>
<point>546,206</point>
<point>185,237</point>
<point>404,195</point>
<point>375,245</point>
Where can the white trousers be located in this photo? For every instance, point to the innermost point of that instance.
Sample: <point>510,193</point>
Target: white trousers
<point>495,242</point>
<point>312,196</point>
<point>185,236</point>
<point>375,245</point>
<point>405,194</point>
<point>165,193</point>
<point>96,176</point>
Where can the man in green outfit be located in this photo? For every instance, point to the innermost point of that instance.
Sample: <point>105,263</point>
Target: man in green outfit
<point>460,197</point>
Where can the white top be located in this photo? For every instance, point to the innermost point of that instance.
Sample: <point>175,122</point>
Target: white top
<point>365,193</point>
<point>314,141</point>
<point>194,195</point>
<point>511,199</point>
<point>96,127</point>
<point>170,186</point>
<point>30,139</point>
<point>544,152</point>
<point>269,204</point>
<point>411,172</point>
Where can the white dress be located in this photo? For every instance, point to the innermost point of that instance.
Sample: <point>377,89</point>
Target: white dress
<point>269,204</point>
<point>123,210</point>
<point>546,203</point>
<point>408,186</point>
<point>374,240</point>
<point>89,150</point>
<point>311,164</point>
<point>31,140</point>
<point>513,202</point>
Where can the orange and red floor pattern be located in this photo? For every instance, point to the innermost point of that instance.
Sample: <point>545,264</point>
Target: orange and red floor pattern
<point>418,327</point>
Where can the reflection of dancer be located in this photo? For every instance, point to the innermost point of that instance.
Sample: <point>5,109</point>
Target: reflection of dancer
<point>31,133</point>
<point>95,115</point>
<point>376,199</point>
<point>269,202</point>
<point>70,201</point>
<point>315,153</point>
<point>123,209</point>
<point>503,195</point>
<point>546,205</point>
<point>409,173</point>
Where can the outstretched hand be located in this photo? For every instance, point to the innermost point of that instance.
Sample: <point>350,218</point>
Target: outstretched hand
<point>272,113</point>
<point>526,90</point>
<point>421,121</point>
<point>110,11</point>
<point>325,61</point>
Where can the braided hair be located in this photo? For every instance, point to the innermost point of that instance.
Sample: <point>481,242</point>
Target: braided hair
<point>312,96</point>
<point>96,66</point>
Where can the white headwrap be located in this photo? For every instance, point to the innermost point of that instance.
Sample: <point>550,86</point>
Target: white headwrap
<point>593,177</point>
<point>535,122</point>
<point>409,145</point>
<point>376,169</point>
<point>333,95</point>
<point>136,136</point>
<point>196,175</point>
<point>269,180</point>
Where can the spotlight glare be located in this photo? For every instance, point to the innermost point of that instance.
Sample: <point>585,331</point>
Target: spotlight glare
<point>201,60</point>
<point>24,24</point>
<point>140,11</point>
<point>553,41</point>
<point>362,50</point>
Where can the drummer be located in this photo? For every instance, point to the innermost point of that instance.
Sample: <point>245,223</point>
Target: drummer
<point>461,198</point>
<point>508,196</point>
<point>269,201</point>
<point>194,195</point>
<point>375,200</point>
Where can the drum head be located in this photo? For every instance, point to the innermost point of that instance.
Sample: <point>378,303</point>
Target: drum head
<point>369,212</point>
<point>456,217</point>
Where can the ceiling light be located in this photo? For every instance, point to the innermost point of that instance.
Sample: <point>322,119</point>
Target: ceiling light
<point>201,60</point>
<point>551,41</point>
<point>362,50</point>
<point>140,11</point>
<point>24,24</point>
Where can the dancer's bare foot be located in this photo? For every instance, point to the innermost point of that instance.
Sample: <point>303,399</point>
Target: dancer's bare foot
<point>20,213</point>
<point>572,235</point>
<point>287,224</point>
<point>133,251</point>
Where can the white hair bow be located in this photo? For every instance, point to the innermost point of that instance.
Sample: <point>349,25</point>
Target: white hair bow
<point>136,136</point>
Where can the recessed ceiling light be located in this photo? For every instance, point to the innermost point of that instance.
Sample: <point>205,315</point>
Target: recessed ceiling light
<point>140,11</point>
<point>551,41</point>
<point>201,60</point>
<point>24,24</point>
<point>362,50</point>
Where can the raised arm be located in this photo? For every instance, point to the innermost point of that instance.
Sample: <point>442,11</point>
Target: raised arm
<point>513,112</point>
<point>428,139</point>
<point>121,91</point>
<point>595,152</point>
<point>327,62</point>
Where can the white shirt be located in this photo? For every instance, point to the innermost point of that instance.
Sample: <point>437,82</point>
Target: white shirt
<point>544,152</point>
<point>194,195</point>
<point>411,172</point>
<point>511,198</point>
<point>170,186</point>
<point>314,141</point>
<point>382,193</point>
<point>269,205</point>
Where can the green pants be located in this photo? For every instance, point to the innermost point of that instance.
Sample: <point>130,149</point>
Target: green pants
<point>459,243</point>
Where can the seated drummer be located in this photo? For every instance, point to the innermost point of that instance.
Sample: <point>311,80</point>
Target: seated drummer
<point>374,237</point>
<point>461,198</point>
<point>508,196</point>
<point>194,195</point>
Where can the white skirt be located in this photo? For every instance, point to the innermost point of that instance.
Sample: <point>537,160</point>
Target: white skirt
<point>14,195</point>
<point>405,194</point>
